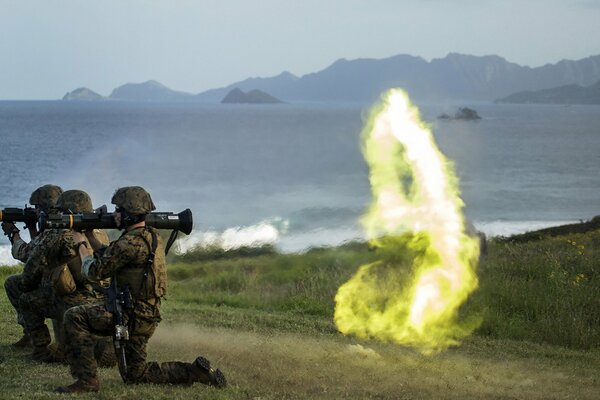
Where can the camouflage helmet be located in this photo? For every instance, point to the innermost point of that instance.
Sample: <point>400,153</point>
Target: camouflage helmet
<point>45,196</point>
<point>76,201</point>
<point>133,199</point>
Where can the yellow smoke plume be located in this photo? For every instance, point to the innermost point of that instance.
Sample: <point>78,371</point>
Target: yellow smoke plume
<point>427,266</point>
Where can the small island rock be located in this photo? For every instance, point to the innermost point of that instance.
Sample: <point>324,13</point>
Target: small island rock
<point>463,113</point>
<point>252,97</point>
<point>83,94</point>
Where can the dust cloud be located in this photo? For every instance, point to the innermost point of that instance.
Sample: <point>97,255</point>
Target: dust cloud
<point>285,365</point>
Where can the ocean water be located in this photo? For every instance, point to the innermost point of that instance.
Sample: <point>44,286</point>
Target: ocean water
<point>293,174</point>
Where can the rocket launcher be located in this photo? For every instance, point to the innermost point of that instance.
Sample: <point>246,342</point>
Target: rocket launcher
<point>26,215</point>
<point>101,219</point>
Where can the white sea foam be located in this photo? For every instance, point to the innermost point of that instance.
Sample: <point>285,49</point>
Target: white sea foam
<point>5,256</point>
<point>507,228</point>
<point>263,233</point>
<point>319,237</point>
<point>275,232</point>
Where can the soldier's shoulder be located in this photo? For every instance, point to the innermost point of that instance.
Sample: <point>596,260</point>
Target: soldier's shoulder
<point>137,234</point>
<point>49,237</point>
<point>36,240</point>
<point>128,240</point>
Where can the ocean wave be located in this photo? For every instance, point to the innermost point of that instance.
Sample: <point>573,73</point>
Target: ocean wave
<point>507,228</point>
<point>303,241</point>
<point>275,232</point>
<point>261,234</point>
<point>6,257</point>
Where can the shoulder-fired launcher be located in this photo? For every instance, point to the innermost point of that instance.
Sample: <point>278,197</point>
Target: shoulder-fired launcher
<point>27,215</point>
<point>101,219</point>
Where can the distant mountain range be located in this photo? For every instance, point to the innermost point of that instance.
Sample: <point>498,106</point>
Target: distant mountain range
<point>568,94</point>
<point>454,77</point>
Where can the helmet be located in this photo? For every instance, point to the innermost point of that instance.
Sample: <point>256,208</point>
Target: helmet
<point>45,196</point>
<point>76,201</point>
<point>133,199</point>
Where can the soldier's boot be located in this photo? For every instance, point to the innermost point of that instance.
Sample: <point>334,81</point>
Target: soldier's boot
<point>22,343</point>
<point>81,386</point>
<point>202,372</point>
<point>47,354</point>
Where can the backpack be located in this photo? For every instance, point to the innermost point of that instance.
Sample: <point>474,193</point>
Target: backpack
<point>62,280</point>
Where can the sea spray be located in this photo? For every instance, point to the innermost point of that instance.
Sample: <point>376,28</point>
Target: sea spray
<point>262,234</point>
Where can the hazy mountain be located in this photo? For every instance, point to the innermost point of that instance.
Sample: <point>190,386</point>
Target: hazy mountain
<point>568,94</point>
<point>253,97</point>
<point>148,91</point>
<point>83,94</point>
<point>275,86</point>
<point>456,76</point>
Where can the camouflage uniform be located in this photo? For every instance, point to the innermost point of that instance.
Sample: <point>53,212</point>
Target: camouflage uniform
<point>39,300</point>
<point>13,286</point>
<point>44,198</point>
<point>126,259</point>
<point>135,261</point>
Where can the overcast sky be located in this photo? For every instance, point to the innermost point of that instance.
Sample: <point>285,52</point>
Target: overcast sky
<point>49,47</point>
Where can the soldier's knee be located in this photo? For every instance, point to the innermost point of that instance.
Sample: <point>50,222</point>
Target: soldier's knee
<point>74,316</point>
<point>11,284</point>
<point>24,302</point>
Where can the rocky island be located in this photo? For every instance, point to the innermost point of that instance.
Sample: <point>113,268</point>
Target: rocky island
<point>567,94</point>
<point>252,97</point>
<point>83,94</point>
<point>148,91</point>
<point>463,113</point>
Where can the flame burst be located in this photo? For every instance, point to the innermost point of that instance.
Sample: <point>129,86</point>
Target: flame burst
<point>427,266</point>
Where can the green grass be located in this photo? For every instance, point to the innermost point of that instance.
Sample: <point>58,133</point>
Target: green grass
<point>265,319</point>
<point>546,291</point>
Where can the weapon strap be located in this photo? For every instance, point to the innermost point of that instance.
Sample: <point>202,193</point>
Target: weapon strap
<point>172,239</point>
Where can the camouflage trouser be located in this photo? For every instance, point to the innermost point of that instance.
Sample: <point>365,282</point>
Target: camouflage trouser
<point>13,288</point>
<point>42,303</point>
<point>39,304</point>
<point>86,320</point>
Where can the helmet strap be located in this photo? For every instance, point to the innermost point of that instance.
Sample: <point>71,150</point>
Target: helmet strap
<point>128,219</point>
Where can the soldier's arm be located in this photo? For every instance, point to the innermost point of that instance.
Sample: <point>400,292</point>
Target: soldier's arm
<point>36,263</point>
<point>21,250</point>
<point>66,246</point>
<point>94,241</point>
<point>104,264</point>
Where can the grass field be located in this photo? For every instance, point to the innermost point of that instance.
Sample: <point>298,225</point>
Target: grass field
<point>265,319</point>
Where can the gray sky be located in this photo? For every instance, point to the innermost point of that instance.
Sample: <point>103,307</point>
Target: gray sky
<point>49,47</point>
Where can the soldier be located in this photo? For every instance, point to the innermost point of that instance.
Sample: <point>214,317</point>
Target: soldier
<point>44,200</point>
<point>52,282</point>
<point>136,262</point>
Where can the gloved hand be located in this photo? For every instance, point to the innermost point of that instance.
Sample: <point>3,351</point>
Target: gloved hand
<point>9,228</point>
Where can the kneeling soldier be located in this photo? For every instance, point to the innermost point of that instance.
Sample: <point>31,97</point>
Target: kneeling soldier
<point>136,264</point>
<point>44,200</point>
<point>52,283</point>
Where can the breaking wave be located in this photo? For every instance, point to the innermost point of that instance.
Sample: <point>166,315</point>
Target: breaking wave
<point>276,232</point>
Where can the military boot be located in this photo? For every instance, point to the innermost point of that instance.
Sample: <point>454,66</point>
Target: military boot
<point>47,354</point>
<point>202,372</point>
<point>81,386</point>
<point>22,343</point>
